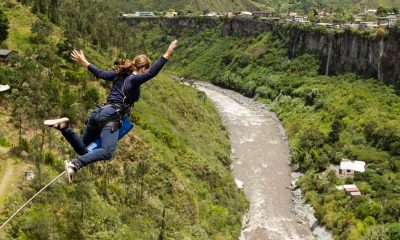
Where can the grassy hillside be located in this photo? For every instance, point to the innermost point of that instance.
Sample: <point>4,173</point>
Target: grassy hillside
<point>327,119</point>
<point>166,181</point>
<point>385,3</point>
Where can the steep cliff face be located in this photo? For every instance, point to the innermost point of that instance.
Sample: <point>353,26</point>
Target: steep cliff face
<point>347,51</point>
<point>340,51</point>
<point>247,27</point>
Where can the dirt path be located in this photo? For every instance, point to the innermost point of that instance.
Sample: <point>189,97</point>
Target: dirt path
<point>262,163</point>
<point>7,174</point>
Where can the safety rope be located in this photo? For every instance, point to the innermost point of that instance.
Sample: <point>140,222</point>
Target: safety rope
<point>34,196</point>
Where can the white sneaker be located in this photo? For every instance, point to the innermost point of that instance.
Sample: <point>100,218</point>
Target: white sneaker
<point>56,123</point>
<point>70,170</point>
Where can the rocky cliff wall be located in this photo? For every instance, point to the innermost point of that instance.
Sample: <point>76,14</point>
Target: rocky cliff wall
<point>340,51</point>
<point>346,51</point>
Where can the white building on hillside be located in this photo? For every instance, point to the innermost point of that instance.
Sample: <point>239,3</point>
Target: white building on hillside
<point>371,11</point>
<point>145,14</point>
<point>171,14</point>
<point>245,14</point>
<point>212,14</point>
<point>4,88</point>
<point>368,25</point>
<point>138,14</point>
<point>392,20</point>
<point>348,167</point>
<point>300,19</point>
<point>327,25</point>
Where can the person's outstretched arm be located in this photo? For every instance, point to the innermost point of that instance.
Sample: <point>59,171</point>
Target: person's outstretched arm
<point>137,80</point>
<point>80,58</point>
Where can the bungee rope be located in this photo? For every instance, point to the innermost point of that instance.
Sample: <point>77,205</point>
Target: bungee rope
<point>25,204</point>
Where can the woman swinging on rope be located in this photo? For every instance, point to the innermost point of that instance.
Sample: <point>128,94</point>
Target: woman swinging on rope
<point>105,120</point>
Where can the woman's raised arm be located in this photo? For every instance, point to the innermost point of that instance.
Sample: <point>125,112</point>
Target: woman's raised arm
<point>80,58</point>
<point>139,79</point>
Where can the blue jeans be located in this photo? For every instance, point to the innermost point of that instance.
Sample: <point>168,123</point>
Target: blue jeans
<point>94,130</point>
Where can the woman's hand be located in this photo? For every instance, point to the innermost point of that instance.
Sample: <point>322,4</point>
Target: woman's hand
<point>170,49</point>
<point>80,58</point>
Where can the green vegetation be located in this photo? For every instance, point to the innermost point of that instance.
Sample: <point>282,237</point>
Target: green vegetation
<point>326,118</point>
<point>3,27</point>
<point>166,182</point>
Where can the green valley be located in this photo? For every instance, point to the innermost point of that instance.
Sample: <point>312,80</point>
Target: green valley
<point>327,119</point>
<point>165,182</point>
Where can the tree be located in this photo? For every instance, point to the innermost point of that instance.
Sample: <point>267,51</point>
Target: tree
<point>337,127</point>
<point>53,12</point>
<point>22,105</point>
<point>311,138</point>
<point>41,30</point>
<point>3,27</point>
<point>394,231</point>
<point>141,170</point>
<point>382,11</point>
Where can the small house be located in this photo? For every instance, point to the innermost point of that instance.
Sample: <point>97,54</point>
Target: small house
<point>144,14</point>
<point>371,11</point>
<point>327,25</point>
<point>262,14</point>
<point>300,19</point>
<point>212,14</point>
<point>138,14</point>
<point>383,21</point>
<point>392,19</point>
<point>368,25</point>
<point>231,14</point>
<point>171,14</point>
<point>5,53</point>
<point>4,88</point>
<point>129,15</point>
<point>292,14</point>
<point>245,15</point>
<point>348,167</point>
<point>352,190</point>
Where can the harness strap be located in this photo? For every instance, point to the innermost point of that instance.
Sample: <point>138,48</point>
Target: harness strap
<point>122,110</point>
<point>114,126</point>
<point>115,121</point>
<point>126,106</point>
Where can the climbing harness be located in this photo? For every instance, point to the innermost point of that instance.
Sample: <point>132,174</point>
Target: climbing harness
<point>123,130</point>
<point>123,110</point>
<point>30,200</point>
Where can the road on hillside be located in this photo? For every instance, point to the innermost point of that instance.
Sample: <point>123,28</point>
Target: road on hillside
<point>261,162</point>
<point>6,174</point>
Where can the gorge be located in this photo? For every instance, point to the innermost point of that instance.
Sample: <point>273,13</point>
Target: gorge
<point>343,50</point>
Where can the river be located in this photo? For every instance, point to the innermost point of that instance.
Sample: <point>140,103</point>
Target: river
<point>261,162</point>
